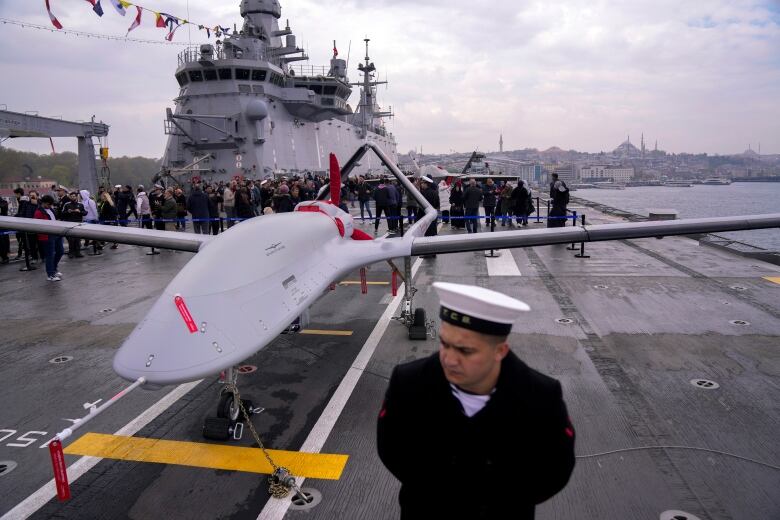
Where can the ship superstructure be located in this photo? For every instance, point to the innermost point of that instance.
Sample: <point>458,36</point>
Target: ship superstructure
<point>245,109</point>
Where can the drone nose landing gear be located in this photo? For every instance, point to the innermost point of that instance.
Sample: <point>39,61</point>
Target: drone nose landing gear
<point>420,328</point>
<point>229,422</point>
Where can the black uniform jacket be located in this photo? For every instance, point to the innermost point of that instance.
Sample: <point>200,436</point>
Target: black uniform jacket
<point>516,452</point>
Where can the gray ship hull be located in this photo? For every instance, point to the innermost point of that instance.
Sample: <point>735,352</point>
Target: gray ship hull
<point>244,110</point>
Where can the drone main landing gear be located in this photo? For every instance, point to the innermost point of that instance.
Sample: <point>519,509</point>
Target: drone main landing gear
<point>420,328</point>
<point>232,413</point>
<point>229,422</point>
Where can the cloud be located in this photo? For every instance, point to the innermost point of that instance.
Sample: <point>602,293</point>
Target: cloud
<point>696,76</point>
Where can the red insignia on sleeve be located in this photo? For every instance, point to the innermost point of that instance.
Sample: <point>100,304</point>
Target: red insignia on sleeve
<point>568,431</point>
<point>383,411</point>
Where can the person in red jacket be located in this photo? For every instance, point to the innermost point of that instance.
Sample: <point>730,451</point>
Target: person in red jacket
<point>50,245</point>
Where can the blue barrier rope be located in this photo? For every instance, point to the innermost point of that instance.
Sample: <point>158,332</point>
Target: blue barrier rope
<point>241,219</point>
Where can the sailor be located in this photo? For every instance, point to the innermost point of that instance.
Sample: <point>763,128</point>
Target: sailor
<point>431,194</point>
<point>472,431</point>
<point>559,194</point>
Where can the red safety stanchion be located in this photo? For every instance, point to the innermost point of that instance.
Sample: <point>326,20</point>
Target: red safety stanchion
<point>60,470</point>
<point>394,283</point>
<point>363,283</point>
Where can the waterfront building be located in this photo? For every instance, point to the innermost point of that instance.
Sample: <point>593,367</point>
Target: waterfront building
<point>605,173</point>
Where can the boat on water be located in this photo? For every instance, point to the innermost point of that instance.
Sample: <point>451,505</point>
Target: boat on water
<point>609,186</point>
<point>246,109</point>
<point>637,184</point>
<point>678,184</point>
<point>716,181</point>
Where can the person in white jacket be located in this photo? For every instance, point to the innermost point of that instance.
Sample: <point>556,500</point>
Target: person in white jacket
<point>143,207</point>
<point>91,208</point>
<point>444,201</point>
<point>229,203</point>
<point>89,205</point>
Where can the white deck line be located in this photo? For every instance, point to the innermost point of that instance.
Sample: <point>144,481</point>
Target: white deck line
<point>503,265</point>
<point>38,499</point>
<point>275,509</point>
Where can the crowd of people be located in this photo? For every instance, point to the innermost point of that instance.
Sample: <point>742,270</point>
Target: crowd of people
<point>213,207</point>
<point>458,205</point>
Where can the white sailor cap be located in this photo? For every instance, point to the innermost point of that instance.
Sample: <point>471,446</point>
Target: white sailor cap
<point>478,309</point>
<point>427,179</point>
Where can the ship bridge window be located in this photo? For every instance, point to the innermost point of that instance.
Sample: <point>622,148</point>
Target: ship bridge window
<point>210,74</point>
<point>196,75</point>
<point>242,74</point>
<point>277,80</point>
<point>225,73</point>
<point>181,77</point>
<point>327,101</point>
<point>316,88</point>
<point>329,90</point>
<point>258,75</point>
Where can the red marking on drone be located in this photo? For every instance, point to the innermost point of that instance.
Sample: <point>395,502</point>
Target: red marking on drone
<point>185,314</point>
<point>358,234</point>
<point>308,209</point>
<point>340,226</point>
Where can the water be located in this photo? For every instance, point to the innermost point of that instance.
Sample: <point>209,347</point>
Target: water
<point>739,198</point>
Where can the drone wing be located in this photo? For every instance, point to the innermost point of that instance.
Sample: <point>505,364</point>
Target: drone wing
<point>567,235</point>
<point>123,235</point>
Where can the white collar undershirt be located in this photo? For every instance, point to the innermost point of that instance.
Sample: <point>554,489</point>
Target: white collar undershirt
<point>472,403</point>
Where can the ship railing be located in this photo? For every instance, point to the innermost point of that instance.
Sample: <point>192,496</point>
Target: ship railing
<point>192,54</point>
<point>309,70</point>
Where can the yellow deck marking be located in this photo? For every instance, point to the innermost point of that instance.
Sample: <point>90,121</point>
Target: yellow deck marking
<point>318,332</point>
<point>775,279</point>
<point>353,282</point>
<point>201,455</point>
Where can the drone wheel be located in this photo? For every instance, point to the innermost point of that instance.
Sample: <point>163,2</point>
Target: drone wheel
<point>216,428</point>
<point>225,408</point>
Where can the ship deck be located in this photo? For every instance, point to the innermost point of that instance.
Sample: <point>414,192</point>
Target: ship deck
<point>643,318</point>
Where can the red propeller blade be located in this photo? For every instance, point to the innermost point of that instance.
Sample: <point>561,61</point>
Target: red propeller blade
<point>335,180</point>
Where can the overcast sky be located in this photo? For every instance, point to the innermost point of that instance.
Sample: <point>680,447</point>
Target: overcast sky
<point>696,75</point>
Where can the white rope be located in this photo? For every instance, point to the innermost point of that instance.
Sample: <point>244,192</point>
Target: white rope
<point>83,34</point>
<point>693,448</point>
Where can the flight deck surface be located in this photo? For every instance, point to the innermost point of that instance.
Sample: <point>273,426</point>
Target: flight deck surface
<point>625,331</point>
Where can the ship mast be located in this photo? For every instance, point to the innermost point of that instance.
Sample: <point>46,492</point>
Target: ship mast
<point>368,108</point>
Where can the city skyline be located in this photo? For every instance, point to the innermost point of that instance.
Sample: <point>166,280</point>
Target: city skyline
<point>696,78</point>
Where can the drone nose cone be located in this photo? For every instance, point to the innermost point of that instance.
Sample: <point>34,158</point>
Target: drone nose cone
<point>175,342</point>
